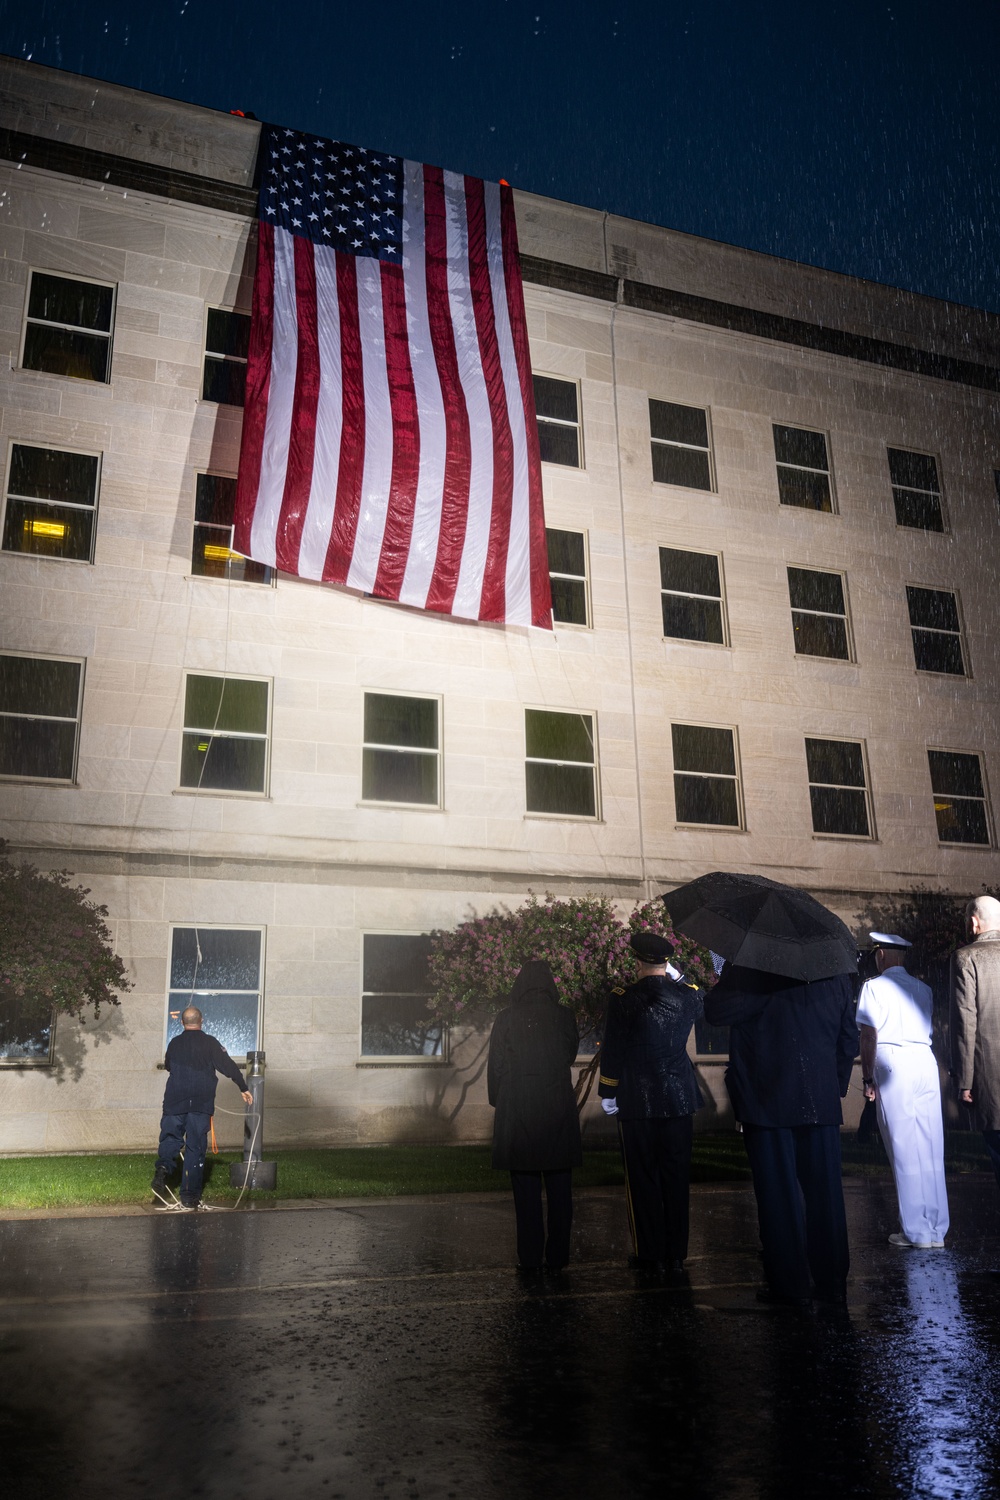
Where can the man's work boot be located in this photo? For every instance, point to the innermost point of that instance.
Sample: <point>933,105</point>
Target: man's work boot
<point>162,1196</point>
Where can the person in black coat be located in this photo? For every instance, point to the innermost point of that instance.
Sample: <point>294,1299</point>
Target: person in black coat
<point>536,1129</point>
<point>647,1080</point>
<point>792,1046</point>
<point>192,1061</point>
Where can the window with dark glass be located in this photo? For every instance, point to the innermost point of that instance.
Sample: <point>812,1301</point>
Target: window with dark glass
<point>710,1041</point>
<point>691,596</point>
<point>557,407</point>
<point>682,450</point>
<point>838,788</point>
<point>916,492</point>
<point>706,779</point>
<point>395,990</point>
<point>40,701</point>
<point>819,613</point>
<point>68,327</point>
<point>220,971</point>
<point>51,502</point>
<point>212,554</point>
<point>227,344</point>
<point>568,576</point>
<point>959,797</point>
<point>26,1039</point>
<point>803,468</point>
<point>936,631</point>
<point>560,763</point>
<point>401,760</point>
<point>225,742</point>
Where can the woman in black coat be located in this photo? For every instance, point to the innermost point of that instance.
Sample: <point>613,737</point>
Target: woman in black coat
<point>536,1131</point>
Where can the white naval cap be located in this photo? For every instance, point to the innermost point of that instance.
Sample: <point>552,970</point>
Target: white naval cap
<point>889,940</point>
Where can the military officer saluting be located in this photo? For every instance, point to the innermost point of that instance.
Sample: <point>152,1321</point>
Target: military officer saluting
<point>647,1081</point>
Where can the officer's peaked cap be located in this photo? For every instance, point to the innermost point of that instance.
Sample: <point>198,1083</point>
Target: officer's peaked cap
<point>650,947</point>
<point>889,940</point>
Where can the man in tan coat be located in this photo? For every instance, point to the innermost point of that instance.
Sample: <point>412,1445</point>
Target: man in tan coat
<point>975,1020</point>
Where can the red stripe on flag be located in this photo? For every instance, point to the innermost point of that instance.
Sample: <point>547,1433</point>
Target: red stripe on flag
<point>405,437</point>
<point>258,387</point>
<point>493,599</point>
<point>352,436</point>
<point>541,590</point>
<point>302,438</point>
<point>458,445</point>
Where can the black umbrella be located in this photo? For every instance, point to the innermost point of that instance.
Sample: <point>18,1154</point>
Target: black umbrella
<point>762,924</point>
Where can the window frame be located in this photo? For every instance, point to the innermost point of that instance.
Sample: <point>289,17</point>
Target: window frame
<point>807,469</point>
<point>597,815</point>
<point>267,737</point>
<point>851,658</point>
<point>741,826</point>
<point>871,837</point>
<point>6,497</point>
<point>236,359</point>
<point>36,1062</point>
<point>991,838</point>
<point>438,699</point>
<point>942,504</point>
<point>713,479</point>
<point>440,1059</point>
<point>263,583</point>
<point>8,779</point>
<point>111,286</point>
<point>577,468</point>
<point>260,927</point>
<point>686,640</point>
<point>966,674</point>
<point>574,578</point>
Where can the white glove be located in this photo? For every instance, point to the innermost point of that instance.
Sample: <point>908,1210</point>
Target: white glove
<point>609,1106</point>
<point>674,973</point>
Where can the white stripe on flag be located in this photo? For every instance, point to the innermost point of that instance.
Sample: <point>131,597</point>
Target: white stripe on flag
<point>329,419</point>
<point>518,597</point>
<point>427,387</point>
<point>377,474</point>
<point>278,423</point>
<point>469,588</point>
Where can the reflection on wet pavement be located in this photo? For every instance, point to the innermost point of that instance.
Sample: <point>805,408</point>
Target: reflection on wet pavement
<point>388,1349</point>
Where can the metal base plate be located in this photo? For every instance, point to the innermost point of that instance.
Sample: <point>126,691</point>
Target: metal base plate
<point>253,1174</point>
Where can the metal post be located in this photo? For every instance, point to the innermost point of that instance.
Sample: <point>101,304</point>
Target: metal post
<point>252,1172</point>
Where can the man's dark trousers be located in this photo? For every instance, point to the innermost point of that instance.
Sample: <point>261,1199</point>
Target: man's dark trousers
<point>800,1205</point>
<point>190,1131</point>
<point>657,1158</point>
<point>532,1244</point>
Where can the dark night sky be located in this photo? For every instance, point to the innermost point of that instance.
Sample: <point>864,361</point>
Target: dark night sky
<point>860,136</point>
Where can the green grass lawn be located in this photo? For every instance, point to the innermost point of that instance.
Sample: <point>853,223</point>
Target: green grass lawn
<point>388,1171</point>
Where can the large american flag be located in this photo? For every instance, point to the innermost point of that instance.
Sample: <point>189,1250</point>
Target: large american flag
<point>389,436</point>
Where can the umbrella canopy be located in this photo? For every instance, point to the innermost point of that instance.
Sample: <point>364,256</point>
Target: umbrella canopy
<point>762,924</point>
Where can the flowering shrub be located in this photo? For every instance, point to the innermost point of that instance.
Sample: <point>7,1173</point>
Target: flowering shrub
<point>584,942</point>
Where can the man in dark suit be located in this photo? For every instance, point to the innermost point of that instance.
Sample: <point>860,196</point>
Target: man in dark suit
<point>792,1046</point>
<point>647,1080</point>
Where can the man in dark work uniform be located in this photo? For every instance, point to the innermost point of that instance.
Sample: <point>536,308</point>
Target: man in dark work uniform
<point>647,1080</point>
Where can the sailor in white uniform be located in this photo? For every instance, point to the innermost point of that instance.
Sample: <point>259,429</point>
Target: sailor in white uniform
<point>901,1074</point>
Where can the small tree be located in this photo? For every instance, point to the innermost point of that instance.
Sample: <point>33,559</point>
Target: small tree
<point>55,951</point>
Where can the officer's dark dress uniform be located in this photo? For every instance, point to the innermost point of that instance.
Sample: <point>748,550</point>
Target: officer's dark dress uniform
<point>646,1069</point>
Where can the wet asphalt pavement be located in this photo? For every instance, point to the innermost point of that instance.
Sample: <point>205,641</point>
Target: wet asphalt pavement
<point>387,1349</point>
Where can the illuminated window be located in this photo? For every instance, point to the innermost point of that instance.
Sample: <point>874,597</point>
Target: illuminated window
<point>916,491</point>
<point>803,468</point>
<point>25,1039</point>
<point>40,699</point>
<point>51,502</point>
<point>936,631</point>
<point>227,343</point>
<point>68,327</point>
<point>395,990</point>
<point>682,450</point>
<point>691,596</point>
<point>568,576</point>
<point>838,788</point>
<point>212,555</point>
<point>706,775</point>
<point>959,797</point>
<point>560,764</point>
<point>225,742</point>
<point>557,406</point>
<point>219,970</point>
<point>819,613</point>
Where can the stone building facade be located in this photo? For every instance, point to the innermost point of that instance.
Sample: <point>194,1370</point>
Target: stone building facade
<point>772,493</point>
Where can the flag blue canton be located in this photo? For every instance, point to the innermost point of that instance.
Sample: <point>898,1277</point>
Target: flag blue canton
<point>332,193</point>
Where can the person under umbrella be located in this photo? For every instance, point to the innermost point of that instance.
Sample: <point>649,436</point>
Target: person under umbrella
<point>536,1128</point>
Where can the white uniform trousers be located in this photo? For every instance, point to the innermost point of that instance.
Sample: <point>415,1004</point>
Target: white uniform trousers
<point>912,1129</point>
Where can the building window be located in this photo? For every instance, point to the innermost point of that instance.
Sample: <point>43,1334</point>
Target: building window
<point>212,555</point>
<point>936,631</point>
<point>838,788</point>
<point>959,797</point>
<point>557,407</point>
<point>25,1040</point>
<point>682,451</point>
<point>401,761</point>
<point>803,468</point>
<point>706,779</point>
<point>568,576</point>
<point>227,343</point>
<point>220,971</point>
<point>691,596</point>
<point>560,764</point>
<point>395,991</point>
<point>225,740</point>
<point>68,327</point>
<point>51,502</point>
<point>916,492</point>
<point>819,613</point>
<point>40,700</point>
<point>710,1041</point>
